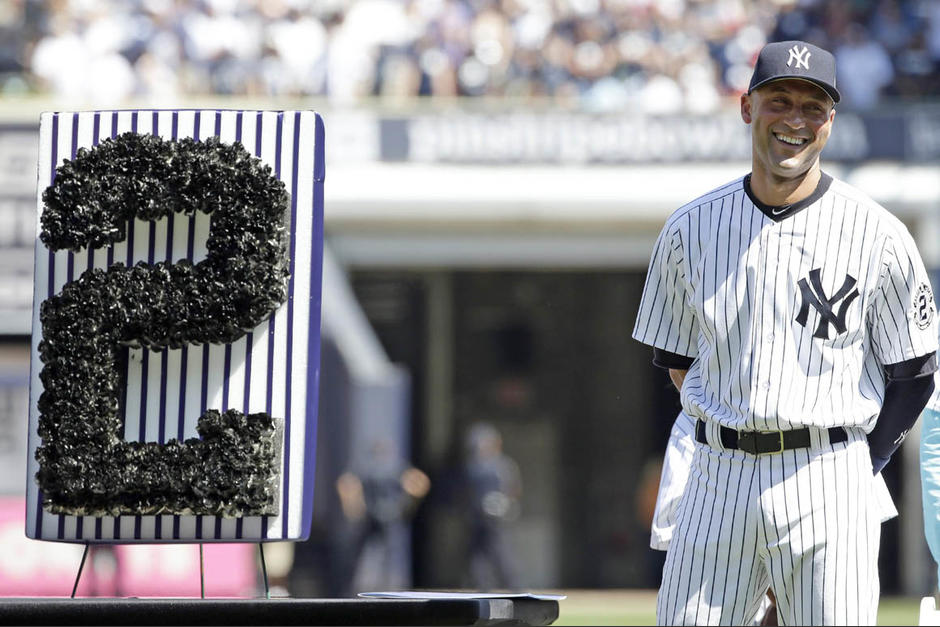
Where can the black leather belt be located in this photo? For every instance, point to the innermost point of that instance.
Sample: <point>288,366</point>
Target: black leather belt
<point>757,442</point>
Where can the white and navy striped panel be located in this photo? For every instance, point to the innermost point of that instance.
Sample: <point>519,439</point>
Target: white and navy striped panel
<point>274,369</point>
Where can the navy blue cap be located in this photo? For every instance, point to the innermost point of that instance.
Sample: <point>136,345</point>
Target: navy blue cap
<point>796,59</point>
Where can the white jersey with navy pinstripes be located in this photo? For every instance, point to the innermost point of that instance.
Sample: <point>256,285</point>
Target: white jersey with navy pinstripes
<point>789,321</point>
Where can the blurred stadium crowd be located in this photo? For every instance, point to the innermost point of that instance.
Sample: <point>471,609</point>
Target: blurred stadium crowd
<point>657,56</point>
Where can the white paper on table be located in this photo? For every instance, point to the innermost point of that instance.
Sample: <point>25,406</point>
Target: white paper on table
<point>425,594</point>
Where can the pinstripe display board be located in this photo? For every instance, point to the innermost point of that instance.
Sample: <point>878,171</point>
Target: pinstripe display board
<point>273,369</point>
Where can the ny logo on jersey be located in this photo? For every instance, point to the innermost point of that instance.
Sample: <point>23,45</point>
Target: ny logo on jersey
<point>813,294</point>
<point>800,56</point>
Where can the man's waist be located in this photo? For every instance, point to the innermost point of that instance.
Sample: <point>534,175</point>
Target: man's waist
<point>770,441</point>
<point>780,414</point>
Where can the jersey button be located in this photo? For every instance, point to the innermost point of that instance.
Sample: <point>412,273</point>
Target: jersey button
<point>765,385</point>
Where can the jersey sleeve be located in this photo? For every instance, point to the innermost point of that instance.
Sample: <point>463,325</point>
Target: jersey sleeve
<point>904,314</point>
<point>665,320</point>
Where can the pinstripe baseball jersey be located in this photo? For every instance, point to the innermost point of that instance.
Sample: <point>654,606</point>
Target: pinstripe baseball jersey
<point>789,312</point>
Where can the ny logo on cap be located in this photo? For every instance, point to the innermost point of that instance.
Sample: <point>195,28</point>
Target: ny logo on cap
<point>800,56</point>
<point>813,294</point>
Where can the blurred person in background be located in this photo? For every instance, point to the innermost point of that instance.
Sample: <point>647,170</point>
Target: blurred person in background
<point>493,487</point>
<point>864,68</point>
<point>379,500</point>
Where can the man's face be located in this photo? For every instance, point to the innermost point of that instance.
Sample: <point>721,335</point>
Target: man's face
<point>790,123</point>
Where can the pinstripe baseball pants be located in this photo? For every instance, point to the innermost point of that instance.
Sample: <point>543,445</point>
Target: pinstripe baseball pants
<point>801,521</point>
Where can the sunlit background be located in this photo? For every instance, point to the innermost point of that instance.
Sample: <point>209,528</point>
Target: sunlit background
<point>497,172</point>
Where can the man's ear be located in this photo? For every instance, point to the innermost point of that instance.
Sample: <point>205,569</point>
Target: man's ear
<point>746,108</point>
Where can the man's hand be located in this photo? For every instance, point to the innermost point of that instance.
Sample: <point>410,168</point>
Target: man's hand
<point>877,463</point>
<point>351,496</point>
<point>770,616</point>
<point>678,377</point>
<point>415,483</point>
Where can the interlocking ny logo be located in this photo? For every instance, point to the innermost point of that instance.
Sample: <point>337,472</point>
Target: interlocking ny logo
<point>800,56</point>
<point>813,294</point>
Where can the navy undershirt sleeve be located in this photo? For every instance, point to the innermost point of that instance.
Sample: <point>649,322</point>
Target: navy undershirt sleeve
<point>909,386</point>
<point>671,361</point>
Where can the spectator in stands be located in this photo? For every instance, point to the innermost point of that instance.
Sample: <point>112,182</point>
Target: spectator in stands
<point>604,55</point>
<point>863,67</point>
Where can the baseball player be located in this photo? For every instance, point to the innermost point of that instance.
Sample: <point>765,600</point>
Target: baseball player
<point>798,316</point>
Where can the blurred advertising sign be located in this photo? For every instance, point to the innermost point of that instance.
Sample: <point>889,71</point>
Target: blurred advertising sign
<point>577,138</point>
<point>29,568</point>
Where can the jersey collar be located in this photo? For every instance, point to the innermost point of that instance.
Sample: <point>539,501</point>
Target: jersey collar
<point>785,211</point>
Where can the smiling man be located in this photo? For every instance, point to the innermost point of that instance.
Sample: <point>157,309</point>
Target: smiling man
<point>796,317</point>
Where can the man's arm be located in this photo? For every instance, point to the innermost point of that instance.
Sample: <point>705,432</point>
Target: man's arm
<point>677,365</point>
<point>909,386</point>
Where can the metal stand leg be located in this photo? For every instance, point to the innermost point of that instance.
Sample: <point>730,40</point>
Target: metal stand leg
<point>80,568</point>
<point>264,572</point>
<point>202,575</point>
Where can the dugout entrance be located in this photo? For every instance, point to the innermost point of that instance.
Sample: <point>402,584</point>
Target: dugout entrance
<point>547,358</point>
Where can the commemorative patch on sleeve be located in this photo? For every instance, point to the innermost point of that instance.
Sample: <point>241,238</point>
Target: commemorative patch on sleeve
<point>922,309</point>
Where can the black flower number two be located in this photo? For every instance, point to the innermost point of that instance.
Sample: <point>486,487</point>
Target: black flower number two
<point>85,466</point>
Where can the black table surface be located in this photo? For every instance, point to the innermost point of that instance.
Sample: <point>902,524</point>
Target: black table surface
<point>277,611</point>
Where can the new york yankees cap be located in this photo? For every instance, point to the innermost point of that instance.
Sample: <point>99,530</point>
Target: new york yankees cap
<point>796,59</point>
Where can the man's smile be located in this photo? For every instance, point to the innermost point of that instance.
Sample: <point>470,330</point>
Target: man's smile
<point>790,139</point>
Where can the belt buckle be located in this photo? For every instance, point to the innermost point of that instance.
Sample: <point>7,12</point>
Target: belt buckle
<point>747,442</point>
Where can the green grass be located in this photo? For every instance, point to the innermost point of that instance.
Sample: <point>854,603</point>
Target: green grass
<point>898,611</point>
<point>638,607</point>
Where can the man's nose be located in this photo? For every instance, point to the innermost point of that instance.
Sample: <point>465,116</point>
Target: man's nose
<point>795,119</point>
